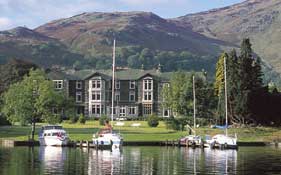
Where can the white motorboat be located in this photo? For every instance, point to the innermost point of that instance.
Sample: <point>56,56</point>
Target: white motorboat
<point>53,135</point>
<point>191,140</point>
<point>223,141</point>
<point>106,138</point>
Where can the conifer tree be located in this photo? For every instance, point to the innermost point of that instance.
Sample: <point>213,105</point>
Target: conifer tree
<point>250,80</point>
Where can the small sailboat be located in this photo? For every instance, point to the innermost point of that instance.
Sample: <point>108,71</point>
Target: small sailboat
<point>224,140</point>
<point>192,140</point>
<point>107,138</point>
<point>53,135</point>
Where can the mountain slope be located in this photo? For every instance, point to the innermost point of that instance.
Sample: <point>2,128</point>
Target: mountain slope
<point>260,20</point>
<point>23,43</point>
<point>93,32</point>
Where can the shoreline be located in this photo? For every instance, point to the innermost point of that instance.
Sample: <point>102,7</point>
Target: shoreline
<point>15,143</point>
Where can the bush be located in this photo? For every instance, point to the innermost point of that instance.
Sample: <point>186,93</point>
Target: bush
<point>153,120</point>
<point>3,120</point>
<point>176,123</point>
<point>172,123</point>
<point>82,119</point>
<point>102,119</point>
<point>73,119</point>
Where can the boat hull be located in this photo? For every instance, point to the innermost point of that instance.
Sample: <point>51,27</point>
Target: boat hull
<point>108,141</point>
<point>53,141</point>
<point>223,142</point>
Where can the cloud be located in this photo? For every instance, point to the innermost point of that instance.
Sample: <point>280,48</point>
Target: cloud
<point>32,13</point>
<point>5,23</point>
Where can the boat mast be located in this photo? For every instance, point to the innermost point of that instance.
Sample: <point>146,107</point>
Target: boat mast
<point>225,93</point>
<point>113,81</point>
<point>194,103</point>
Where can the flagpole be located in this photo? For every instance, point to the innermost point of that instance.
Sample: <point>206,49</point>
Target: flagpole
<point>113,81</point>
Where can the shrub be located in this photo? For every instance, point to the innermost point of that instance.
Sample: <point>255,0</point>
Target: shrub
<point>82,119</point>
<point>73,119</point>
<point>153,120</point>
<point>3,120</point>
<point>176,123</point>
<point>172,123</point>
<point>102,119</point>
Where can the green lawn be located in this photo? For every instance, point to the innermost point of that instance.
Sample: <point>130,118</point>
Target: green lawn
<point>143,132</point>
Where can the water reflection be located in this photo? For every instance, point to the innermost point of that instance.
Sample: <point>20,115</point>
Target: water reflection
<point>139,160</point>
<point>52,158</point>
<point>104,161</point>
<point>201,161</point>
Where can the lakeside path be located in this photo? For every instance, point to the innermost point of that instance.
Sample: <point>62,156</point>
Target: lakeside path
<point>143,132</point>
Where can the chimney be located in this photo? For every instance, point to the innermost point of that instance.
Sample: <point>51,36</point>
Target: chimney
<point>159,68</point>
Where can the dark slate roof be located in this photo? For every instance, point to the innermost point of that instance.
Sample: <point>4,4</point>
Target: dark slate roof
<point>124,74</point>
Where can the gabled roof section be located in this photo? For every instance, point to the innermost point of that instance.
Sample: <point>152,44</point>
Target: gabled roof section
<point>124,74</point>
<point>103,76</point>
<point>146,75</point>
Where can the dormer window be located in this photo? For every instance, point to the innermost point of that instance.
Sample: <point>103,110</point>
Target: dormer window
<point>117,85</point>
<point>132,84</point>
<point>78,84</point>
<point>58,84</point>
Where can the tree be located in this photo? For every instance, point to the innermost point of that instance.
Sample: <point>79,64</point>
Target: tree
<point>250,77</point>
<point>13,72</point>
<point>32,99</point>
<point>178,94</point>
<point>219,79</point>
<point>233,84</point>
<point>244,78</point>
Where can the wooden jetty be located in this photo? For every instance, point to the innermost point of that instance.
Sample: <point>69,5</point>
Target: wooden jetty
<point>89,144</point>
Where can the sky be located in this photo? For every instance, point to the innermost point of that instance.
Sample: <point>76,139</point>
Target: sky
<point>33,13</point>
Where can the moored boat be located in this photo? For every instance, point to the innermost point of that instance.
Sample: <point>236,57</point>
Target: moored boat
<point>53,135</point>
<point>107,139</point>
<point>223,141</point>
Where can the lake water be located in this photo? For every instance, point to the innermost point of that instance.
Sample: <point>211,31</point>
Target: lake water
<point>139,160</point>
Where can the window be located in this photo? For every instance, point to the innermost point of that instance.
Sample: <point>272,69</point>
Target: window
<point>117,96</point>
<point>147,90</point>
<point>132,110</point>
<point>166,113</point>
<point>79,111</point>
<point>78,96</point>
<point>147,96</point>
<point>132,84</point>
<point>78,85</point>
<point>96,95</point>
<point>122,111</point>
<point>114,110</point>
<point>132,96</point>
<point>96,84</point>
<point>55,111</point>
<point>97,109</point>
<point>147,109</point>
<point>117,85</point>
<point>148,84</point>
<point>58,84</point>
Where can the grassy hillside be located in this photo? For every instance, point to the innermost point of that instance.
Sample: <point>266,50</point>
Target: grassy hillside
<point>259,20</point>
<point>25,44</point>
<point>93,32</point>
